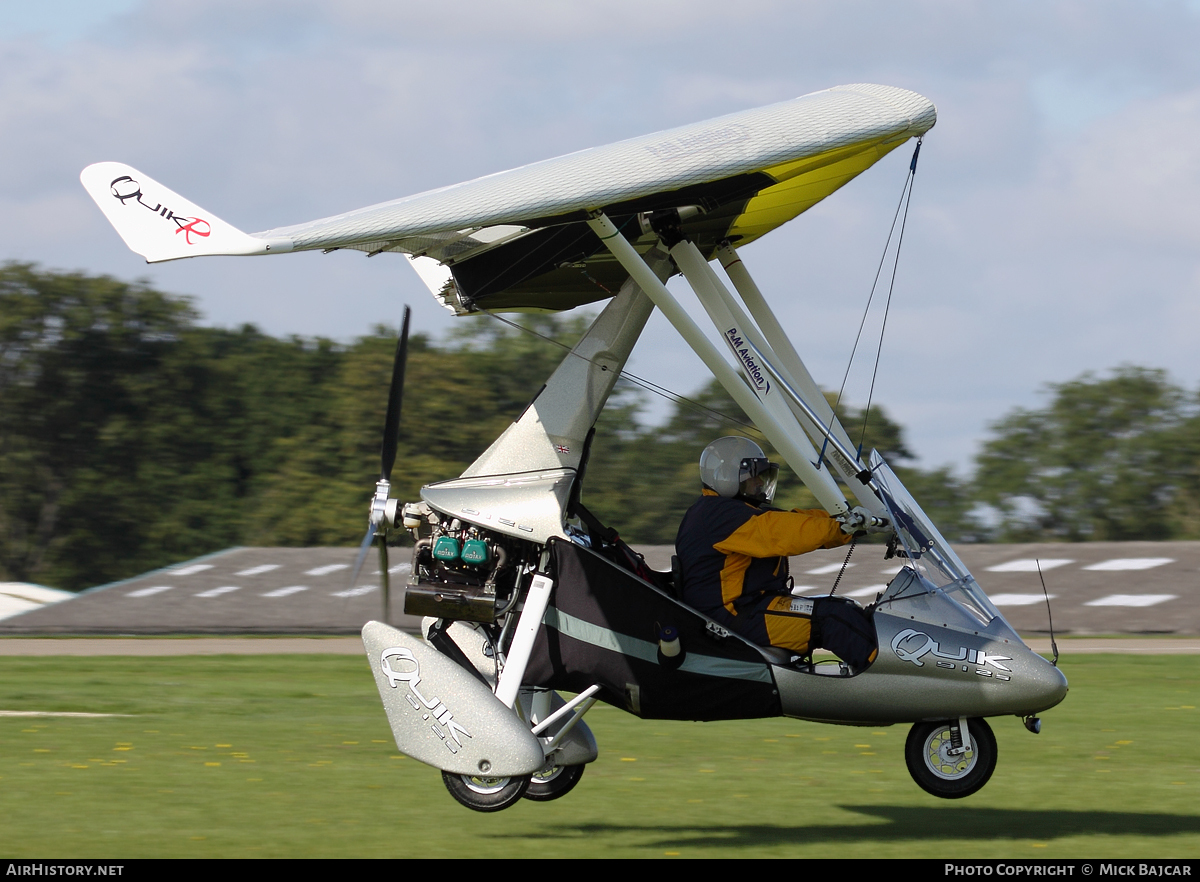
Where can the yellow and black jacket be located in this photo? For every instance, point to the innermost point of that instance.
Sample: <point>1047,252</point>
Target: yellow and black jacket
<point>733,557</point>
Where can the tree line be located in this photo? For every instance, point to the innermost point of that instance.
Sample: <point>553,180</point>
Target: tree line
<point>132,436</point>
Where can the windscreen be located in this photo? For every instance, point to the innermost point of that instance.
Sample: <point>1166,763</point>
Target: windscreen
<point>937,569</point>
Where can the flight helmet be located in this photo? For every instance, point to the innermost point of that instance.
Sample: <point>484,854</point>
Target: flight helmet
<point>737,468</point>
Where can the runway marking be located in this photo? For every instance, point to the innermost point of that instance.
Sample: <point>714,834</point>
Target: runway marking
<point>1030,565</point>
<point>355,592</point>
<point>1018,599</point>
<point>284,592</point>
<point>891,571</point>
<point>828,568</point>
<point>11,606</point>
<point>869,591</point>
<point>396,569</point>
<point>1131,600</point>
<point>192,570</point>
<point>4,713</point>
<point>254,571</point>
<point>147,592</point>
<point>327,569</point>
<point>217,592</point>
<point>1130,563</point>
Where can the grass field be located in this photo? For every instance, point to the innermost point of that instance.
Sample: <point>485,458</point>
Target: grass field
<point>291,756</point>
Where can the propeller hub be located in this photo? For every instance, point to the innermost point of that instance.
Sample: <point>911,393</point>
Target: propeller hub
<point>383,510</point>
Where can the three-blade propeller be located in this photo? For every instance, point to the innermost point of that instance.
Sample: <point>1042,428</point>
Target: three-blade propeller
<point>381,519</point>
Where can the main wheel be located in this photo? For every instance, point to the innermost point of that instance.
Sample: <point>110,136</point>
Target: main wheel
<point>484,794</point>
<point>937,771</point>
<point>553,782</point>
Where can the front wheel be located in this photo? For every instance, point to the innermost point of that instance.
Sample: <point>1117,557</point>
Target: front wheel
<point>939,771</point>
<point>485,794</point>
<point>553,782</point>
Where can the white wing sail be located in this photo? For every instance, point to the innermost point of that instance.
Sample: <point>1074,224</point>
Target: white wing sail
<point>520,240</point>
<point>825,126</point>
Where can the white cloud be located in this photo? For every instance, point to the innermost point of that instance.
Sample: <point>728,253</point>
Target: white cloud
<point>1052,228</point>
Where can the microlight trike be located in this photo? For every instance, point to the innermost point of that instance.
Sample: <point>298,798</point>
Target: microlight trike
<point>527,596</point>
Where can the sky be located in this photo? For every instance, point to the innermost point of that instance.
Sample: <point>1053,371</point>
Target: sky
<point>1054,227</point>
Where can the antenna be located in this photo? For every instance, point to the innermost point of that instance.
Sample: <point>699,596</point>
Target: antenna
<point>1053,645</point>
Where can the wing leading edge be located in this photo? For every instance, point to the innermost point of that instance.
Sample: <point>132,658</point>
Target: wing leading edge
<point>519,239</point>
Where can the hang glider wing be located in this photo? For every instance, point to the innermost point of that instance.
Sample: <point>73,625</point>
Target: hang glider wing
<point>519,239</point>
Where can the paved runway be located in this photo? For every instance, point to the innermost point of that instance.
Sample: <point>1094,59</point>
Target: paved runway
<point>237,591</point>
<point>1096,588</point>
<point>155,646</point>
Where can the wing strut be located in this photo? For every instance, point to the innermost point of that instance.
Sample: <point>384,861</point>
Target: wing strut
<point>797,375</point>
<point>757,397</point>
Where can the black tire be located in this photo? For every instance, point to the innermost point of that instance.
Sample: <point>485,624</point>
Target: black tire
<point>946,776</point>
<point>552,783</point>
<point>483,794</point>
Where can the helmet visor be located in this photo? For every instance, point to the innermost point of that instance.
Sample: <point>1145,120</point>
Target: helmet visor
<point>758,477</point>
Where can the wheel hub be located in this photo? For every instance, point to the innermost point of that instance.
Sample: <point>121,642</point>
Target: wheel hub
<point>484,785</point>
<point>547,774</point>
<point>941,762</point>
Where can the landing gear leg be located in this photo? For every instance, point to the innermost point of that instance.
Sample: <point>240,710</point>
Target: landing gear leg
<point>948,762</point>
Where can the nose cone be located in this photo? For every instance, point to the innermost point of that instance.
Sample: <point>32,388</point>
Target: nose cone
<point>1044,684</point>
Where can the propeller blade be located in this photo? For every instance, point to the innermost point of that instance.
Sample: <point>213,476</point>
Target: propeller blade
<point>362,553</point>
<point>391,425</point>
<point>383,579</point>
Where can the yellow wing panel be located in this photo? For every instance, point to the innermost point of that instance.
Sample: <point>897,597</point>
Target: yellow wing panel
<point>804,183</point>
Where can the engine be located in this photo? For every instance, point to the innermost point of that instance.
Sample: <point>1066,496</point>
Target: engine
<point>461,571</point>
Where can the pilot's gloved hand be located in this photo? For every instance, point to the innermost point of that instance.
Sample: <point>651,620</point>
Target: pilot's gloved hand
<point>854,521</point>
<point>859,522</point>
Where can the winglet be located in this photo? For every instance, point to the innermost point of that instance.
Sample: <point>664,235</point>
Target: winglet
<point>159,224</point>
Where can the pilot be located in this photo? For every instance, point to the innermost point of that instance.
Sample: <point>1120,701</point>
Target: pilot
<point>733,552</point>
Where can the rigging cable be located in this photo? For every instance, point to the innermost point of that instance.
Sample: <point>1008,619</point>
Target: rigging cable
<point>912,174</point>
<point>676,398</point>
<point>673,397</point>
<point>905,198</point>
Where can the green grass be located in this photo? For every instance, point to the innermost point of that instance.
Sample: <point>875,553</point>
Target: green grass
<point>290,756</point>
